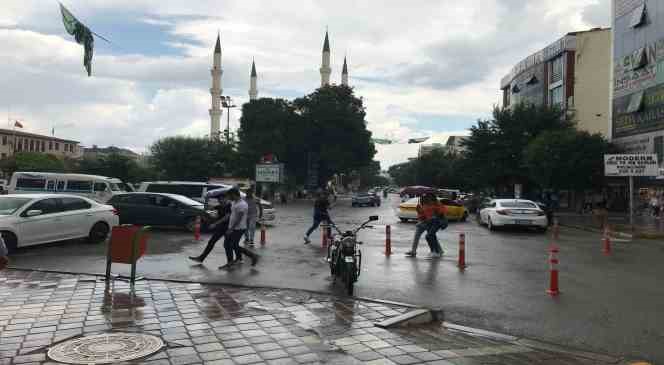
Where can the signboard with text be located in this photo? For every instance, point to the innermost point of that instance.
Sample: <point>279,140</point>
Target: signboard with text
<point>631,165</point>
<point>269,173</point>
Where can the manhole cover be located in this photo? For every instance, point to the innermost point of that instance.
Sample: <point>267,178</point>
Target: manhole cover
<point>107,348</point>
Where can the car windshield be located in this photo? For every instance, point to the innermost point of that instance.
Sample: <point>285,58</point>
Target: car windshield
<point>10,205</point>
<point>518,204</point>
<point>118,187</point>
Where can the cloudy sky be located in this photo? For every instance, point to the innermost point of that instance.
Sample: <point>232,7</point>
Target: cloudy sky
<point>423,67</point>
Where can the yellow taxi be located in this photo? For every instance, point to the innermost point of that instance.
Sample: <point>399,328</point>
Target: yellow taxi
<point>455,211</point>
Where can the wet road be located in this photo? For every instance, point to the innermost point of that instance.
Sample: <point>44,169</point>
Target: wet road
<point>608,304</point>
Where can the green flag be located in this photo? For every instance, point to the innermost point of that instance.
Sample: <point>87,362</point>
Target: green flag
<point>82,34</point>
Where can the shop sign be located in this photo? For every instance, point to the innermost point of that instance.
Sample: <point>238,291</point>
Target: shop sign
<point>631,165</point>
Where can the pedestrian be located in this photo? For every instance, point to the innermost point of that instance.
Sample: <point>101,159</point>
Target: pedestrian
<point>4,260</point>
<point>431,218</point>
<point>321,213</point>
<point>421,226</point>
<point>654,205</point>
<point>254,214</point>
<point>237,226</point>
<point>220,226</point>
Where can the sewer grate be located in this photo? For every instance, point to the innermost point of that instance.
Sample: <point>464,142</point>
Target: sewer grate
<point>107,348</point>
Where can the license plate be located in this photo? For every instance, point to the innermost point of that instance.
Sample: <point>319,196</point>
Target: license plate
<point>349,259</point>
<point>523,222</point>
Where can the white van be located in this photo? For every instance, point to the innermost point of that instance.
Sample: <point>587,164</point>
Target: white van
<point>99,188</point>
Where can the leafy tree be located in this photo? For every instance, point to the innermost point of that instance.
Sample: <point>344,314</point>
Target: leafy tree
<point>494,150</point>
<point>567,159</point>
<point>437,169</point>
<point>335,130</point>
<point>33,161</point>
<point>404,174</point>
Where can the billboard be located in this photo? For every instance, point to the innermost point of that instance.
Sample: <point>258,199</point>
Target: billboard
<point>631,165</point>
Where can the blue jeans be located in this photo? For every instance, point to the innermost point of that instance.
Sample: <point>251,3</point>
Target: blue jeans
<point>420,228</point>
<point>317,222</point>
<point>434,225</point>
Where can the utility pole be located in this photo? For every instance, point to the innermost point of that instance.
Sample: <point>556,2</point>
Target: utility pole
<point>227,102</point>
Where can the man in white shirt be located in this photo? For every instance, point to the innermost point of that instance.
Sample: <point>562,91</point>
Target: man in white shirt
<point>237,226</point>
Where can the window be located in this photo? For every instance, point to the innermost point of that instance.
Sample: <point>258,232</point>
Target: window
<point>556,96</point>
<point>47,206</point>
<point>556,70</point>
<point>162,201</point>
<point>515,89</point>
<point>32,145</point>
<point>638,16</point>
<point>79,185</point>
<point>4,155</point>
<point>190,191</point>
<point>61,185</point>
<point>140,199</point>
<point>19,147</point>
<point>100,186</point>
<point>57,146</point>
<point>43,146</point>
<point>4,140</point>
<point>532,80</point>
<point>69,204</point>
<point>23,183</point>
<point>50,185</point>
<point>518,204</point>
<point>50,145</point>
<point>659,149</point>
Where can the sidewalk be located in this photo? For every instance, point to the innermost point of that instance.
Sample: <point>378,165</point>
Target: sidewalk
<point>644,226</point>
<point>213,324</point>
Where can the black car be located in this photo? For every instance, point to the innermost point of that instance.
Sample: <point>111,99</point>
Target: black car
<point>158,209</point>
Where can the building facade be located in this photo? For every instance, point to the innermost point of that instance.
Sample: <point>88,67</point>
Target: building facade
<point>428,148</point>
<point>12,142</point>
<point>454,144</point>
<point>572,73</point>
<point>638,77</point>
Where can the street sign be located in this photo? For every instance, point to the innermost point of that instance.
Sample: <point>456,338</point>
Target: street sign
<point>631,165</point>
<point>269,173</point>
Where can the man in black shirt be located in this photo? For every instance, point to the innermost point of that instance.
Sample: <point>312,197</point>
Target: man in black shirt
<point>220,227</point>
<point>321,213</point>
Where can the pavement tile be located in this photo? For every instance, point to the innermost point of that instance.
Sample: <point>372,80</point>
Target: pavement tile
<point>274,354</point>
<point>247,359</point>
<point>220,362</point>
<point>185,360</point>
<point>215,346</point>
<point>367,356</point>
<point>380,362</point>
<point>405,360</point>
<point>284,361</point>
<point>411,348</point>
<point>306,358</point>
<point>267,347</point>
<point>235,343</point>
<point>239,351</point>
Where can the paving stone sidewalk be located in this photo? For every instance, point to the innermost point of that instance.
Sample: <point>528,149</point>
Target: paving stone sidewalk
<point>210,324</point>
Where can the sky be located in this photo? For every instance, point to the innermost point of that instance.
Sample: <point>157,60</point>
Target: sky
<point>423,67</point>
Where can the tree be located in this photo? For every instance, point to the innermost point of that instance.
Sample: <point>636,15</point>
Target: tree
<point>494,150</point>
<point>335,130</point>
<point>436,169</point>
<point>32,161</point>
<point>567,159</point>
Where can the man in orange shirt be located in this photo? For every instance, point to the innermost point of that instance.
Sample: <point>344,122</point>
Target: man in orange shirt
<point>427,212</point>
<point>436,215</point>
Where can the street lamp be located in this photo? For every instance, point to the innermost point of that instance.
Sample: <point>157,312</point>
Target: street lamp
<point>227,102</point>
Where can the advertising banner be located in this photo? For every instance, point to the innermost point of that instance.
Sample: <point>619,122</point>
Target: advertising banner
<point>631,165</point>
<point>269,173</point>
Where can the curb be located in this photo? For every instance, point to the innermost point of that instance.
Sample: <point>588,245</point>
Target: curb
<point>598,231</point>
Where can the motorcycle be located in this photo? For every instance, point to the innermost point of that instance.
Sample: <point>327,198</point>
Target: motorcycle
<point>344,257</point>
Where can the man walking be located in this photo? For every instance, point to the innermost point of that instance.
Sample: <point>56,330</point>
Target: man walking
<point>237,227</point>
<point>321,213</point>
<point>254,214</point>
<point>220,227</point>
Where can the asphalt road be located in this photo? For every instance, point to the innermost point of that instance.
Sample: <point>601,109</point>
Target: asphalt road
<point>609,304</point>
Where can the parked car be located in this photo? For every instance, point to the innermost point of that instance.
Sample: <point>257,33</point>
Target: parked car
<point>157,209</point>
<point>364,199</point>
<point>198,191</point>
<point>513,212</point>
<point>32,219</point>
<point>455,210</point>
<point>269,213</point>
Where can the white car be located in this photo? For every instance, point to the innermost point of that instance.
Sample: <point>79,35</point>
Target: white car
<point>513,212</point>
<point>32,219</point>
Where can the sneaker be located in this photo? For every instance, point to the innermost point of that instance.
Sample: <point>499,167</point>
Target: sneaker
<point>238,261</point>
<point>435,255</point>
<point>410,254</point>
<point>250,243</point>
<point>196,258</point>
<point>254,260</point>
<point>227,266</point>
<point>306,240</point>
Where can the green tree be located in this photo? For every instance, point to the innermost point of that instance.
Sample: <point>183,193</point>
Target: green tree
<point>494,150</point>
<point>335,130</point>
<point>33,161</point>
<point>188,158</point>
<point>567,159</point>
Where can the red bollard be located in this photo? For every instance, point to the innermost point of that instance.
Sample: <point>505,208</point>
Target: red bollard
<point>323,233</point>
<point>197,229</point>
<point>553,266</point>
<point>462,251</point>
<point>262,234</point>
<point>607,241</point>
<point>388,240</point>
